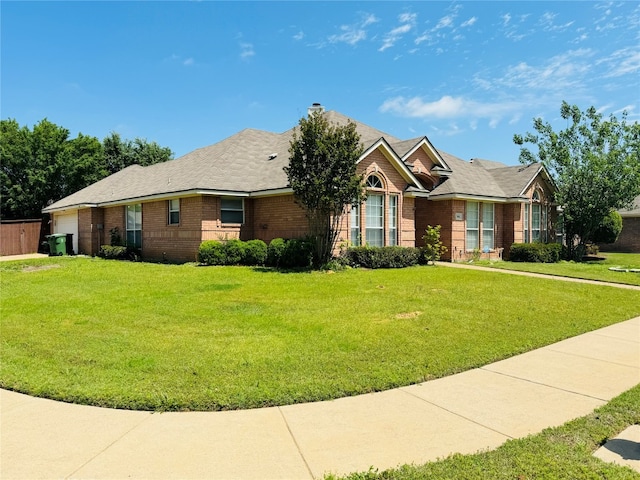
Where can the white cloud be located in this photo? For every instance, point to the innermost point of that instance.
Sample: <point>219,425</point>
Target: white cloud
<point>469,22</point>
<point>408,22</point>
<point>299,35</point>
<point>449,107</point>
<point>564,72</point>
<point>445,22</point>
<point>188,62</point>
<point>622,62</point>
<point>354,33</point>
<point>246,50</point>
<point>506,18</point>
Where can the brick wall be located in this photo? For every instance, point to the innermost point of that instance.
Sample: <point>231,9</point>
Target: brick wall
<point>91,233</point>
<point>278,217</point>
<point>429,212</point>
<point>175,243</point>
<point>114,217</point>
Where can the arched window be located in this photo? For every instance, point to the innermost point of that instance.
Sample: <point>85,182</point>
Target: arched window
<point>373,181</point>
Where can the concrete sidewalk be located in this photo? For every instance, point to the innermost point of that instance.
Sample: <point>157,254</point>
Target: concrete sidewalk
<point>471,411</point>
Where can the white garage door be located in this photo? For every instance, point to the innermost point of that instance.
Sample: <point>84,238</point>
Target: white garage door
<point>67,223</point>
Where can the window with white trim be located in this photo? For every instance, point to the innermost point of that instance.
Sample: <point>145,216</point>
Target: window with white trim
<point>526,223</point>
<point>535,218</point>
<point>473,221</point>
<point>374,232</point>
<point>488,222</point>
<point>134,225</point>
<point>393,220</point>
<point>355,224</point>
<point>174,211</point>
<point>373,181</point>
<point>232,210</point>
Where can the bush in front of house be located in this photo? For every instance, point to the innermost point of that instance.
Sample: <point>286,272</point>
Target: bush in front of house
<point>211,252</point>
<point>292,253</point>
<point>275,251</point>
<point>535,252</point>
<point>383,257</point>
<point>118,252</point>
<point>255,253</point>
<point>232,252</point>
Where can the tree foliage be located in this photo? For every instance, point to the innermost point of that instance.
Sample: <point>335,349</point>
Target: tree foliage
<point>43,164</point>
<point>119,153</point>
<point>322,174</point>
<point>609,229</point>
<point>595,164</point>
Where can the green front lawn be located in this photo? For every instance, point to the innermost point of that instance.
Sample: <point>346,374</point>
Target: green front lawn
<point>169,337</point>
<point>591,270</point>
<point>564,452</point>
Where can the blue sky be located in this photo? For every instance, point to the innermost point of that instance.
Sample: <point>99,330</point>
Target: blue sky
<point>187,74</point>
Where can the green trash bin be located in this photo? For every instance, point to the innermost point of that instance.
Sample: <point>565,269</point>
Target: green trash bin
<point>57,244</point>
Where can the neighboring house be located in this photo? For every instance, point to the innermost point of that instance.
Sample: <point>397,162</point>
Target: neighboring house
<point>629,239</point>
<point>237,188</point>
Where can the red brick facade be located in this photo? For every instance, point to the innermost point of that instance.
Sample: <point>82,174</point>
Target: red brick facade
<point>629,239</point>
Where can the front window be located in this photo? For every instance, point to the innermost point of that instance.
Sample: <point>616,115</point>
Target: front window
<point>526,223</point>
<point>232,210</point>
<point>355,224</point>
<point>473,210</point>
<point>375,220</point>
<point>488,215</point>
<point>393,220</point>
<point>134,225</point>
<point>174,211</point>
<point>535,222</point>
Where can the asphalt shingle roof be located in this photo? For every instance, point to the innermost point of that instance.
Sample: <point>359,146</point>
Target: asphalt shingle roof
<point>244,163</point>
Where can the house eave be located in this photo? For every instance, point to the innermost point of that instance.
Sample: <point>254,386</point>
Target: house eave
<point>477,198</point>
<point>65,208</point>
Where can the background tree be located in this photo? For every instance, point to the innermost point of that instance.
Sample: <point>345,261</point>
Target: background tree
<point>595,164</point>
<point>43,165</point>
<point>120,154</point>
<point>322,174</point>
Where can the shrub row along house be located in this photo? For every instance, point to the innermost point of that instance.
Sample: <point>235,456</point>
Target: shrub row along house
<point>237,188</point>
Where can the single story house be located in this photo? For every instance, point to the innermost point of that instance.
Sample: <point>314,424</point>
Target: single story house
<point>237,188</point>
<point>629,239</point>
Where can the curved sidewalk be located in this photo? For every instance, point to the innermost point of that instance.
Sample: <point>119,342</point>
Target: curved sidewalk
<point>474,410</point>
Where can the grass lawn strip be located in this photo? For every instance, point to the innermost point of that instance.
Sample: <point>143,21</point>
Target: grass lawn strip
<point>564,452</point>
<point>168,337</point>
<point>591,270</point>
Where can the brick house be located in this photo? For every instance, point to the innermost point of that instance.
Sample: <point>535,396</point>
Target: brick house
<point>237,188</point>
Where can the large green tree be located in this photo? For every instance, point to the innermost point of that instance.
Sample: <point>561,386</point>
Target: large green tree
<point>42,165</point>
<point>322,174</point>
<point>120,153</point>
<point>595,163</point>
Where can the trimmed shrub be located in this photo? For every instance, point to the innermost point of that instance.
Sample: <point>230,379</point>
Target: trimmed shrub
<point>293,253</point>
<point>275,251</point>
<point>383,257</point>
<point>298,253</point>
<point>255,253</point>
<point>211,252</point>
<point>118,252</point>
<point>233,252</point>
<point>535,252</point>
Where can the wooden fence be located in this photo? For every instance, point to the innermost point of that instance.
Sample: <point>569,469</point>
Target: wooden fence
<point>19,237</point>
